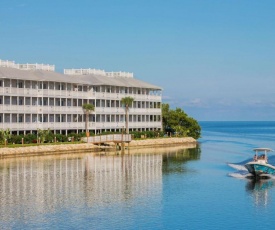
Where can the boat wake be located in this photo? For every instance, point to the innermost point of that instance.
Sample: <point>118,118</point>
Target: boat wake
<point>241,172</point>
<point>237,167</point>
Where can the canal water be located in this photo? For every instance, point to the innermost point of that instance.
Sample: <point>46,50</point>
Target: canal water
<point>157,188</point>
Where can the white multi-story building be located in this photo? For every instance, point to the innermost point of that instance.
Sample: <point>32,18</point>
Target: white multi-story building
<point>34,96</point>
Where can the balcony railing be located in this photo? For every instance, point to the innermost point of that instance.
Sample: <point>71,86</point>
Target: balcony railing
<point>74,94</point>
<point>39,109</point>
<point>14,126</point>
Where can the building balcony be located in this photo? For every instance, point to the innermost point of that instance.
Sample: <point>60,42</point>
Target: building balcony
<point>34,109</point>
<point>30,92</point>
<point>14,126</point>
<point>39,109</point>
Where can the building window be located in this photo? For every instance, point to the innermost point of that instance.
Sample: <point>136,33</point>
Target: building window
<point>20,84</point>
<point>1,84</point>
<point>20,101</point>
<point>42,85</point>
<point>34,85</point>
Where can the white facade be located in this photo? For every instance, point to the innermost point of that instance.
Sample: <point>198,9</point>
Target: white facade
<point>35,97</point>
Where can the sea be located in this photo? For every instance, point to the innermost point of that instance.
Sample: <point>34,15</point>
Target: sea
<point>155,188</point>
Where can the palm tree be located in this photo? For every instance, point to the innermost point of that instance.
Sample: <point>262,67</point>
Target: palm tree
<point>127,101</point>
<point>88,108</point>
<point>5,135</point>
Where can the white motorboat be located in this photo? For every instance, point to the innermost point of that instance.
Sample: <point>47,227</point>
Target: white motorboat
<point>259,166</point>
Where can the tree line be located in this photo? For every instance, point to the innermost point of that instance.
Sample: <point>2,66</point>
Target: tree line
<point>179,123</point>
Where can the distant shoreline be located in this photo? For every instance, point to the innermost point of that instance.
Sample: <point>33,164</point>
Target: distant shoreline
<point>42,150</point>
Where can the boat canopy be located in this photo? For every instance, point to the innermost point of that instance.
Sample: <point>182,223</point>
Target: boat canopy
<point>262,150</point>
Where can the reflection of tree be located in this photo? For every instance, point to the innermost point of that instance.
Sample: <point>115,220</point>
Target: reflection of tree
<point>173,161</point>
<point>259,190</point>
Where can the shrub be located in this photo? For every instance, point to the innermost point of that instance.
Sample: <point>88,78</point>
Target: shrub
<point>61,138</point>
<point>29,138</point>
<point>16,139</point>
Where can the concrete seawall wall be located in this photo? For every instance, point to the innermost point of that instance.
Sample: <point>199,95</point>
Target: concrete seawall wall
<point>163,142</point>
<point>74,148</point>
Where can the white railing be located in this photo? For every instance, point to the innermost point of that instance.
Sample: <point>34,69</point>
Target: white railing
<point>42,125</point>
<point>7,63</point>
<point>36,67</point>
<point>75,109</point>
<point>84,72</point>
<point>97,72</point>
<point>106,125</point>
<point>76,94</point>
<point>121,125</point>
<point>120,74</point>
<point>27,66</point>
<point>109,138</point>
<point>13,126</point>
<point>110,110</point>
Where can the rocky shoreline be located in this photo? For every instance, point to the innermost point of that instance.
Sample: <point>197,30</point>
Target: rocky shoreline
<point>84,147</point>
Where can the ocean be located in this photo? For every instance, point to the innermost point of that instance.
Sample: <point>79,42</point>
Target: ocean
<point>156,188</point>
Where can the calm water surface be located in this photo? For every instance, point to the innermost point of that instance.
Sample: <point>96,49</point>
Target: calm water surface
<point>169,188</point>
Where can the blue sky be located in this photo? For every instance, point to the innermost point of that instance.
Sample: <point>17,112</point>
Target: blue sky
<point>214,58</point>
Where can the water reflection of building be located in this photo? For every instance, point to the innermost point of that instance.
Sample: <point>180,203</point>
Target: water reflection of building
<point>259,190</point>
<point>41,185</point>
<point>124,177</point>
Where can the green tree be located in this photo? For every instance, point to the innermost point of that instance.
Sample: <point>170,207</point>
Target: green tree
<point>127,102</point>
<point>87,108</point>
<point>165,116</point>
<point>178,121</point>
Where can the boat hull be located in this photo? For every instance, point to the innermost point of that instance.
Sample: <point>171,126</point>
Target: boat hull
<point>258,169</point>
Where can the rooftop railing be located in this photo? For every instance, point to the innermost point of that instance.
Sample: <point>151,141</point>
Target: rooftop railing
<point>7,63</point>
<point>84,72</point>
<point>12,64</point>
<point>120,74</point>
<point>36,67</point>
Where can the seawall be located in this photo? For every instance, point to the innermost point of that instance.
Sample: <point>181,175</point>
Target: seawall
<point>163,142</point>
<point>188,142</point>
